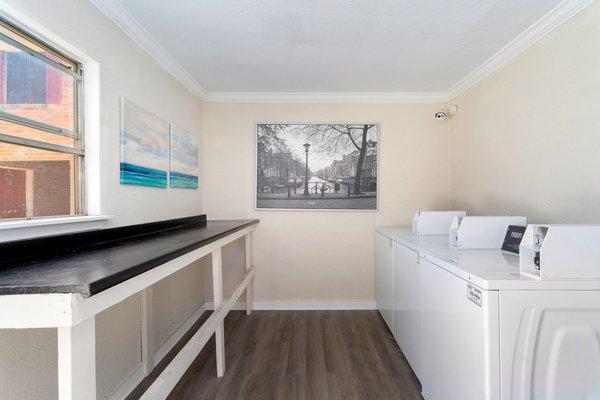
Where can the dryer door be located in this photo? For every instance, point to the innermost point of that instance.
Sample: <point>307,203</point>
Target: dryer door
<point>550,345</point>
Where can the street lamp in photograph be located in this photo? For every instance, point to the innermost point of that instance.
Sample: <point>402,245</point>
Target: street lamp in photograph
<point>306,148</point>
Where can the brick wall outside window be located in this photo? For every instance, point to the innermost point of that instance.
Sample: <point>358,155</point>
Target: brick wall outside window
<point>53,173</point>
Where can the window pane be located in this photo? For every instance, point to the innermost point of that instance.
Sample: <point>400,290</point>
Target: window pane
<point>35,183</point>
<point>25,79</point>
<point>35,45</point>
<point>10,128</point>
<point>32,89</point>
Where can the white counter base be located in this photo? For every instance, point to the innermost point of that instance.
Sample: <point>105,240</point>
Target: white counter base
<point>74,318</point>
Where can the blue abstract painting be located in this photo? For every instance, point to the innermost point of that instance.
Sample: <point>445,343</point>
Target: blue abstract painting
<point>184,159</point>
<point>144,147</point>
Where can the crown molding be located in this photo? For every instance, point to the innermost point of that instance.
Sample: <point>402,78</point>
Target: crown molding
<point>325,97</point>
<point>131,26</point>
<point>542,27</point>
<point>553,19</point>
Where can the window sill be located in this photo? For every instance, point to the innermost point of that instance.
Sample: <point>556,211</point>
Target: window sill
<point>31,228</point>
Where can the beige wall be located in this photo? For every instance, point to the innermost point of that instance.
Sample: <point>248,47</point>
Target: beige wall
<point>177,298</point>
<point>28,359</point>
<point>27,363</point>
<point>234,269</point>
<point>117,356</point>
<point>320,255</point>
<point>526,140</point>
<point>128,71</point>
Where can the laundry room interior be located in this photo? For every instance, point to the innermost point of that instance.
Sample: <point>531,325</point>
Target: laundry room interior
<point>326,199</point>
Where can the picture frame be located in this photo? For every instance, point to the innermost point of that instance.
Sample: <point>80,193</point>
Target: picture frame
<point>332,167</point>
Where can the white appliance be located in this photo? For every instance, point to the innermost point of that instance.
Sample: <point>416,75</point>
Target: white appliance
<point>458,346</point>
<point>407,328</point>
<point>478,328</point>
<point>561,251</point>
<point>434,222</point>
<point>384,260</point>
<point>481,232</point>
<point>396,287</point>
<point>549,344</point>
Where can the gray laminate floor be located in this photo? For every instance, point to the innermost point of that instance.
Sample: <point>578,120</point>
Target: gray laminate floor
<point>292,355</point>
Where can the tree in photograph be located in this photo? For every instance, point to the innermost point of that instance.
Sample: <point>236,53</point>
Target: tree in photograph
<point>276,164</point>
<point>333,138</point>
<point>268,144</point>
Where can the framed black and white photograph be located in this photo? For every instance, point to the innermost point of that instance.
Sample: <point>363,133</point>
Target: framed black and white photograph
<point>317,166</point>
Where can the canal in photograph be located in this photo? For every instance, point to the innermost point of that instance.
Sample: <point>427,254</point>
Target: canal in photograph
<point>314,184</point>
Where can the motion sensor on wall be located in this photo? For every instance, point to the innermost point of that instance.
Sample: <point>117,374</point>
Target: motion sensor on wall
<point>450,111</point>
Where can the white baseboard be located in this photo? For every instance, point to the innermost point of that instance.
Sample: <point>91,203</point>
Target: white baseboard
<point>178,334</point>
<point>305,305</point>
<point>127,387</point>
<point>315,305</point>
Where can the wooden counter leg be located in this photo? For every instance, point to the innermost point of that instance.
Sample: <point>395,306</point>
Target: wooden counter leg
<point>77,361</point>
<point>249,264</point>
<point>217,273</point>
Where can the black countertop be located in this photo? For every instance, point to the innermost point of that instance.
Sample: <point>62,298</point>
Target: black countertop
<point>96,261</point>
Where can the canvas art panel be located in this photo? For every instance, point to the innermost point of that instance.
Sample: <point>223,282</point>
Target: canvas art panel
<point>144,147</point>
<point>317,166</point>
<point>184,159</point>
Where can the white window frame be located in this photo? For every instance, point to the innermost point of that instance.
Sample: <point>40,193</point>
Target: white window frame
<point>78,132</point>
<point>91,216</point>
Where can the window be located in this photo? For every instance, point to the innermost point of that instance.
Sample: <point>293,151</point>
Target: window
<point>25,79</point>
<point>41,129</point>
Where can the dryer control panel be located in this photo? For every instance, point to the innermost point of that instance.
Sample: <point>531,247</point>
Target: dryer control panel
<point>561,251</point>
<point>434,222</point>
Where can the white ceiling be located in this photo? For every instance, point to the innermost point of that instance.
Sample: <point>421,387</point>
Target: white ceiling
<point>333,45</point>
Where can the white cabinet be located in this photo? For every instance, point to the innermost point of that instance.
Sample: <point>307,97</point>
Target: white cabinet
<point>384,254</point>
<point>406,304</point>
<point>459,338</point>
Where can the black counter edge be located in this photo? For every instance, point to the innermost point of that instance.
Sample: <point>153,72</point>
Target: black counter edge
<point>21,251</point>
<point>106,283</point>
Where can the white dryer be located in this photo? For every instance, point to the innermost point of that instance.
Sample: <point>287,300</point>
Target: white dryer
<point>489,330</point>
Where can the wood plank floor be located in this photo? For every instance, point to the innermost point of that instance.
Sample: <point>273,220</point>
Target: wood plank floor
<point>320,355</point>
